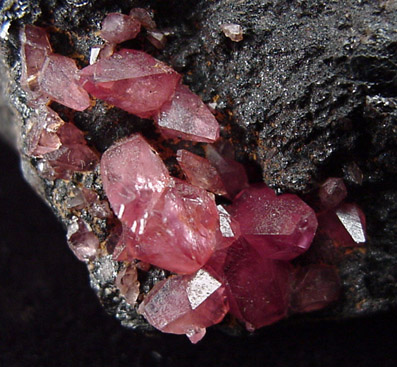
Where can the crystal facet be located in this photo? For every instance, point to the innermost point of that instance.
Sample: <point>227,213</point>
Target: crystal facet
<point>187,117</point>
<point>332,192</point>
<point>279,227</point>
<point>128,284</point>
<point>82,240</point>
<point>131,80</point>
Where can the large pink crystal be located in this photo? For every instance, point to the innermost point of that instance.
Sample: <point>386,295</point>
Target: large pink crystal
<point>199,172</point>
<point>314,287</point>
<point>131,80</point>
<point>258,289</point>
<point>35,48</point>
<point>345,225</point>
<point>179,233</point>
<point>134,178</point>
<point>186,304</point>
<point>279,227</point>
<point>332,192</point>
<point>58,80</point>
<point>187,117</point>
<point>232,173</point>
<point>117,28</point>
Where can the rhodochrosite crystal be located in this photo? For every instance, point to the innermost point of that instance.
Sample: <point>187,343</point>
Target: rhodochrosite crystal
<point>128,284</point>
<point>82,241</point>
<point>345,225</point>
<point>118,28</point>
<point>186,304</point>
<point>332,192</point>
<point>279,227</point>
<point>187,117</point>
<point>200,172</point>
<point>134,178</point>
<point>179,234</point>
<point>258,289</point>
<point>131,80</point>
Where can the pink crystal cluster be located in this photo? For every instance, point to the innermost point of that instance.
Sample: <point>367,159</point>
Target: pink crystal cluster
<point>233,257</point>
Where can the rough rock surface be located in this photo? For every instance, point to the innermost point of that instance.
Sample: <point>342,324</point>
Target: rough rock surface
<point>310,92</point>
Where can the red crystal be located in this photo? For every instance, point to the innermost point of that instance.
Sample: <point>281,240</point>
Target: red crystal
<point>332,192</point>
<point>117,28</point>
<point>131,80</point>
<point>186,304</point>
<point>127,283</point>
<point>258,289</point>
<point>279,227</point>
<point>232,173</point>
<point>314,287</point>
<point>179,234</point>
<point>82,241</point>
<point>229,229</point>
<point>199,172</point>
<point>345,224</point>
<point>134,178</point>
<point>187,117</point>
<point>58,80</point>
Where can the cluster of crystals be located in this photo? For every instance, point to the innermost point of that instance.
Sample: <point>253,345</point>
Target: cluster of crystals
<point>226,258</point>
<point>232,257</point>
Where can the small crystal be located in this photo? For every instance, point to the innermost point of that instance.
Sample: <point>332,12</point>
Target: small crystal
<point>332,192</point>
<point>131,80</point>
<point>187,117</point>
<point>233,31</point>
<point>144,17</point>
<point>279,227</point>
<point>117,28</point>
<point>82,241</point>
<point>157,39</point>
<point>127,283</point>
<point>186,304</point>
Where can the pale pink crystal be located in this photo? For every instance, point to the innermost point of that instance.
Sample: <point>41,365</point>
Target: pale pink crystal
<point>232,173</point>
<point>186,304</point>
<point>134,178</point>
<point>233,31</point>
<point>199,172</point>
<point>314,287</point>
<point>279,227</point>
<point>345,225</point>
<point>332,192</point>
<point>117,28</point>
<point>82,241</point>
<point>144,17</point>
<point>187,117</point>
<point>35,48</point>
<point>42,137</point>
<point>58,80</point>
<point>258,289</point>
<point>131,80</point>
<point>128,284</point>
<point>179,234</point>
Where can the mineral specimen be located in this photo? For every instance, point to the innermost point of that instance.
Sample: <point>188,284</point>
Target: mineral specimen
<point>131,80</point>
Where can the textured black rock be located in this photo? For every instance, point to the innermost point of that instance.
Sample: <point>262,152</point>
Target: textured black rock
<point>310,92</point>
